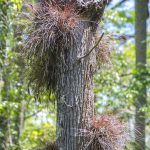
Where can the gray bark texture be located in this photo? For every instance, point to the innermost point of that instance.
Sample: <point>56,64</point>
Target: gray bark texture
<point>141,11</point>
<point>75,105</point>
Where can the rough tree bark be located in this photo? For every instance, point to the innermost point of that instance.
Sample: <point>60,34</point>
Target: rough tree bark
<point>141,10</point>
<point>75,103</point>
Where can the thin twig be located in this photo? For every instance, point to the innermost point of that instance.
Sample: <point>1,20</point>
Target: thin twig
<point>118,4</point>
<point>87,54</point>
<point>32,115</point>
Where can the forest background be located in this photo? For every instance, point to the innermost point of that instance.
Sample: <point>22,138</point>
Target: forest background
<point>29,123</point>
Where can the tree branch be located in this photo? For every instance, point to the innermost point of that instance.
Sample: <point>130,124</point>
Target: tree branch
<point>80,57</point>
<point>32,115</point>
<point>118,4</point>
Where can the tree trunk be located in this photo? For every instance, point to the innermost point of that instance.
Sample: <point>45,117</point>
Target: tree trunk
<point>75,105</point>
<point>71,64</point>
<point>141,10</point>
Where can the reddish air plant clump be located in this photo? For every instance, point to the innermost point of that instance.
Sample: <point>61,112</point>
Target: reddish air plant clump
<point>52,29</point>
<point>107,132</point>
<point>50,24</point>
<point>68,18</point>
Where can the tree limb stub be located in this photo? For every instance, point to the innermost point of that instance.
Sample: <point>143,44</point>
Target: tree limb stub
<point>81,57</point>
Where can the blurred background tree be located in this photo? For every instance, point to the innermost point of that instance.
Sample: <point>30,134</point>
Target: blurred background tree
<point>19,126</point>
<point>26,123</point>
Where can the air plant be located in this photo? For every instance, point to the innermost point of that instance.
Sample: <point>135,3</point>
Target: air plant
<point>52,30</point>
<point>106,132</point>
